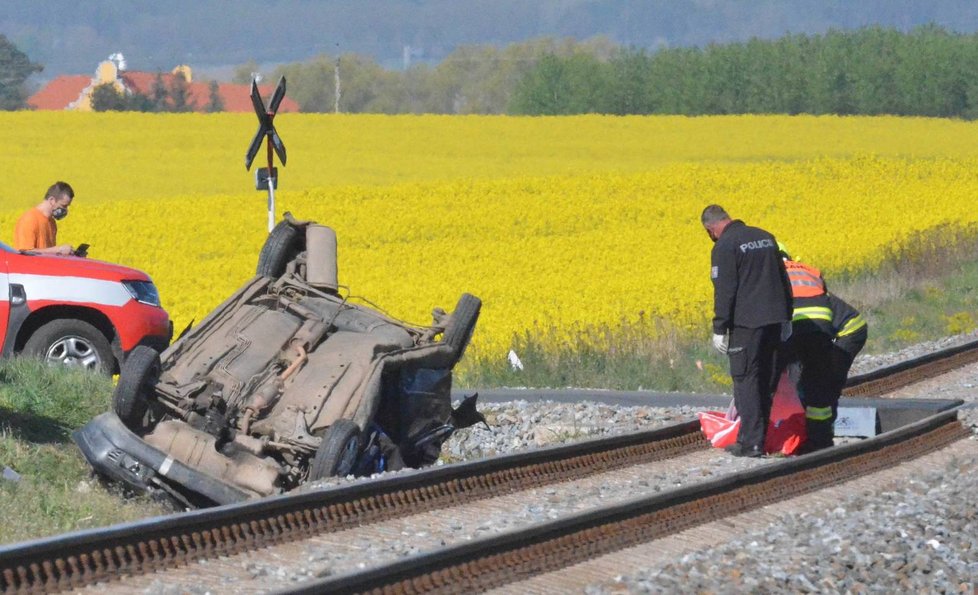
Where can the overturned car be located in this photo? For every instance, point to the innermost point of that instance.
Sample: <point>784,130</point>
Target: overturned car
<point>285,382</point>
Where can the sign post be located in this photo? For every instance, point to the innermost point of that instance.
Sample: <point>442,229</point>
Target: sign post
<point>266,178</point>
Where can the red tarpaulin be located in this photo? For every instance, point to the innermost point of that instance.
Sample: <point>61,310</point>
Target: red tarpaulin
<point>785,431</point>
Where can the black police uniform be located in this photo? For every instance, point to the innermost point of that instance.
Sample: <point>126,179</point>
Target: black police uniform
<point>751,301</point>
<point>851,331</point>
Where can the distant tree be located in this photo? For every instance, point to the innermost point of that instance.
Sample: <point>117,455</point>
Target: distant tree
<point>15,68</point>
<point>461,81</point>
<point>418,88</point>
<point>558,86</point>
<point>628,92</point>
<point>545,91</point>
<point>483,79</point>
<point>214,103</point>
<point>311,84</point>
<point>179,92</point>
<point>106,98</point>
<point>137,102</point>
<point>362,82</point>
<point>159,95</point>
<point>244,73</point>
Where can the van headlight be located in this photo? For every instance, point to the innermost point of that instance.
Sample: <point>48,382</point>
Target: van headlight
<point>143,291</point>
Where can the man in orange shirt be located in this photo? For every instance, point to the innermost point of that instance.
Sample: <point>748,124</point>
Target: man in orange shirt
<point>36,229</point>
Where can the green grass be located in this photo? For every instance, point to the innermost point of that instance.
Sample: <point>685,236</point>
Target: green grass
<point>624,358</point>
<point>928,293</point>
<point>39,407</point>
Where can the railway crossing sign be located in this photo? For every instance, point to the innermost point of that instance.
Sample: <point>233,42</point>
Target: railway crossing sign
<point>266,178</point>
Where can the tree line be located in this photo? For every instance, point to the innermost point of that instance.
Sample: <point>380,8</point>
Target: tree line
<point>928,71</point>
<point>164,96</point>
<point>470,80</point>
<point>171,95</point>
<point>15,69</point>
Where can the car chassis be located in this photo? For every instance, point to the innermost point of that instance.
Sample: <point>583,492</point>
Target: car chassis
<point>285,382</point>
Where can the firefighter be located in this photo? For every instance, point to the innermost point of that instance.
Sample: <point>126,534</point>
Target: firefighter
<point>752,310</point>
<point>851,332</point>
<point>808,352</point>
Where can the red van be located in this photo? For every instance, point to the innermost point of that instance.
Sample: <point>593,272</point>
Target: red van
<point>77,311</point>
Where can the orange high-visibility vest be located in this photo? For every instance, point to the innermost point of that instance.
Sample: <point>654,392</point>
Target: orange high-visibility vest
<point>806,281</point>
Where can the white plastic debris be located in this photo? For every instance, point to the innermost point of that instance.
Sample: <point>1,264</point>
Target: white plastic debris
<point>514,360</point>
<point>10,475</point>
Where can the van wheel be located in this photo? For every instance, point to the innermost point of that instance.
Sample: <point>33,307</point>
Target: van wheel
<point>460,327</point>
<point>338,451</point>
<point>73,343</point>
<point>139,375</point>
<point>281,246</point>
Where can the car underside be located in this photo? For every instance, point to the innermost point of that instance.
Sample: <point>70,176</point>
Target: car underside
<point>286,382</point>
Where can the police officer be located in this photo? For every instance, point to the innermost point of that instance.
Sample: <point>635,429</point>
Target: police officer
<point>850,334</point>
<point>808,353</point>
<point>751,309</point>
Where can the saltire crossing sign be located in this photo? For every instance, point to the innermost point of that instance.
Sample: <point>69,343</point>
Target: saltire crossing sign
<point>266,178</point>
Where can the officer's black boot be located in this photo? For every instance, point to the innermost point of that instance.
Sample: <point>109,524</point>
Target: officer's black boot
<point>820,435</point>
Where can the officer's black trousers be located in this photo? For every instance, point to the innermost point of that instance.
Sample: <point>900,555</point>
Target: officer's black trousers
<point>816,381</point>
<point>753,354</point>
<point>844,351</point>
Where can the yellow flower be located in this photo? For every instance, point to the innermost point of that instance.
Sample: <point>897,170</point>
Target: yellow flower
<point>581,230</point>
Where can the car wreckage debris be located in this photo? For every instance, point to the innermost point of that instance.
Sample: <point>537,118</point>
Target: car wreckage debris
<point>285,382</point>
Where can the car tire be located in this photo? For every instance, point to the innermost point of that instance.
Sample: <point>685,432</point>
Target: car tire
<point>72,342</point>
<point>338,451</point>
<point>460,327</point>
<point>282,245</point>
<point>140,373</point>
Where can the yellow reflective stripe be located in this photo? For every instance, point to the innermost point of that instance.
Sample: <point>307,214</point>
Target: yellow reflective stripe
<point>812,313</point>
<point>852,325</point>
<point>818,413</point>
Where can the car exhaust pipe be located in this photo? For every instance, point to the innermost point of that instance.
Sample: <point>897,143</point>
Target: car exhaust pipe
<point>198,450</point>
<point>321,257</point>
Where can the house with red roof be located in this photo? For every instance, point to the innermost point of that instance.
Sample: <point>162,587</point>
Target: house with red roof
<point>74,92</point>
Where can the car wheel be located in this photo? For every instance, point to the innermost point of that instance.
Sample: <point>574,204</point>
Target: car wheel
<point>139,375</point>
<point>72,343</point>
<point>282,245</point>
<point>460,327</point>
<point>338,451</point>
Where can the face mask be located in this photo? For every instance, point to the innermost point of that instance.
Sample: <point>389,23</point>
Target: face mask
<point>59,213</point>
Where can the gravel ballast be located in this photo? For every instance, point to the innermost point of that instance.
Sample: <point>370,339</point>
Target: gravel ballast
<point>915,535</point>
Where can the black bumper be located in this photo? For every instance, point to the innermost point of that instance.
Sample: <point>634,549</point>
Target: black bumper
<point>115,452</point>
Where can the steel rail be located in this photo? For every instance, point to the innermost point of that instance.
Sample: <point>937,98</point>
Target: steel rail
<point>86,557</point>
<point>884,380</point>
<point>497,561</point>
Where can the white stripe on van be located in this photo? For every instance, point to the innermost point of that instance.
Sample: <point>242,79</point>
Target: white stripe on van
<point>70,289</point>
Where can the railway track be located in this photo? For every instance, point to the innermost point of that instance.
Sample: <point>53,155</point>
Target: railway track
<point>884,380</point>
<point>515,556</point>
<point>127,552</point>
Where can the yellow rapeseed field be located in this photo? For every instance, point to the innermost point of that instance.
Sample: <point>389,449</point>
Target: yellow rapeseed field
<point>567,223</point>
